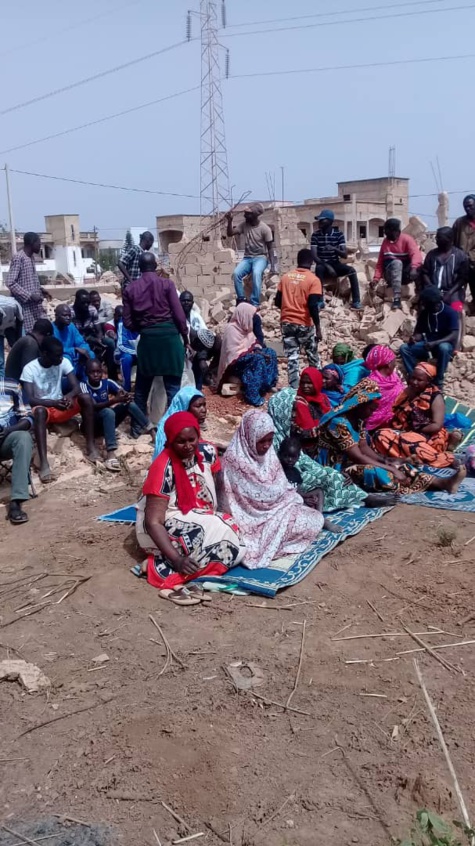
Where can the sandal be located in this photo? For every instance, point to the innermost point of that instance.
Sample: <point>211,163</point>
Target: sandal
<point>198,591</point>
<point>112,464</point>
<point>137,570</point>
<point>180,596</point>
<point>16,515</point>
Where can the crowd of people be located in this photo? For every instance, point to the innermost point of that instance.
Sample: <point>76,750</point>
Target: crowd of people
<point>355,432</point>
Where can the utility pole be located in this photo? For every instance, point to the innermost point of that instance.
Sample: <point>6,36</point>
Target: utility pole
<point>282,175</point>
<point>95,252</point>
<point>10,212</point>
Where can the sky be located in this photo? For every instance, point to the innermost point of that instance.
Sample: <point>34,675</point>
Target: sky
<point>321,126</point>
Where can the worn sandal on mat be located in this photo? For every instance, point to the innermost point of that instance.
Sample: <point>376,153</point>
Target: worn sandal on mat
<point>180,596</point>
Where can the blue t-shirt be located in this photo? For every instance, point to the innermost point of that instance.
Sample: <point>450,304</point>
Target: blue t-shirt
<point>436,326</point>
<point>101,392</point>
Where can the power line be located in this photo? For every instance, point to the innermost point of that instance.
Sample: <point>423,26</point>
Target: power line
<point>105,185</point>
<point>78,24</point>
<point>348,21</point>
<point>355,67</point>
<point>100,75</point>
<point>332,14</point>
<point>99,120</point>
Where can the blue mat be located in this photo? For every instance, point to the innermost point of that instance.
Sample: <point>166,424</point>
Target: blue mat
<point>463,500</point>
<point>285,572</point>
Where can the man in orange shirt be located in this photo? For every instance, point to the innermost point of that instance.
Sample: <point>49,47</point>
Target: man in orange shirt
<point>298,297</point>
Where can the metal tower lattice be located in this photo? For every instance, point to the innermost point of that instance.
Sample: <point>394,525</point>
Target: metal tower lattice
<point>215,193</point>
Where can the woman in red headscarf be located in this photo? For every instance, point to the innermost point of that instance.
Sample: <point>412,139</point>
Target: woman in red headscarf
<point>177,523</point>
<point>417,430</point>
<point>309,406</point>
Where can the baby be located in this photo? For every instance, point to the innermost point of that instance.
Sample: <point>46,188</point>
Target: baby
<point>289,453</point>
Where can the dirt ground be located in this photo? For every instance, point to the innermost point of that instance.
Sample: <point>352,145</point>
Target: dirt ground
<point>354,768</point>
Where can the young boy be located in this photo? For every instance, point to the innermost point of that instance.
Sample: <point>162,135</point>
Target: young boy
<point>289,453</point>
<point>111,406</point>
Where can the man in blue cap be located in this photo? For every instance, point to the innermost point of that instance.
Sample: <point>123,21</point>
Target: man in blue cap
<point>328,249</point>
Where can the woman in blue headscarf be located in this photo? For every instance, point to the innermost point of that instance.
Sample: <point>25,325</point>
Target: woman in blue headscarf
<point>333,383</point>
<point>188,399</point>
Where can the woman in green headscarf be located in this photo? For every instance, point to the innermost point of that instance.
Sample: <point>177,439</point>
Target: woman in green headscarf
<point>353,368</point>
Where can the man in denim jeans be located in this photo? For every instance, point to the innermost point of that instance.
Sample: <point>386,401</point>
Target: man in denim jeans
<point>258,251</point>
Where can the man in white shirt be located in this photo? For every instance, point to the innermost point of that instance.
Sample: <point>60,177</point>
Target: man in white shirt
<point>43,380</point>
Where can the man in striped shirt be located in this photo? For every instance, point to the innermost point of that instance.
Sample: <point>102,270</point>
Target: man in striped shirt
<point>399,261</point>
<point>24,283</point>
<point>16,444</point>
<point>328,249</point>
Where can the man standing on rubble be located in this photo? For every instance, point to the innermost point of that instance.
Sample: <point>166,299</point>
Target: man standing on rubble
<point>129,261</point>
<point>464,238</point>
<point>328,247</point>
<point>258,251</point>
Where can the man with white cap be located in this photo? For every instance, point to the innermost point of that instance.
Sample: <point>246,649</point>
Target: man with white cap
<point>328,247</point>
<point>258,251</point>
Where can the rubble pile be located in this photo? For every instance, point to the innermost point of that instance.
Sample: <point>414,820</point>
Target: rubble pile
<point>376,323</point>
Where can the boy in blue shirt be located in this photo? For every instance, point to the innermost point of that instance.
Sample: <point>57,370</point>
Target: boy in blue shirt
<point>111,406</point>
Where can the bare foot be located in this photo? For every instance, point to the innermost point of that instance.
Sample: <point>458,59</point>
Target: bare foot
<point>45,474</point>
<point>382,500</point>
<point>332,527</point>
<point>455,438</point>
<point>456,481</point>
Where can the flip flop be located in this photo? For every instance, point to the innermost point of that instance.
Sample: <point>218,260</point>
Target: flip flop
<point>18,518</point>
<point>198,591</point>
<point>136,570</point>
<point>180,596</point>
<point>112,464</point>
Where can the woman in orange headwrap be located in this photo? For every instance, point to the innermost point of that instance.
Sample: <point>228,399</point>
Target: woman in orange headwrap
<point>417,429</point>
<point>177,523</point>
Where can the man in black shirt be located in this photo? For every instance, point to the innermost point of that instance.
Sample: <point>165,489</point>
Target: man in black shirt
<point>435,335</point>
<point>328,247</point>
<point>28,348</point>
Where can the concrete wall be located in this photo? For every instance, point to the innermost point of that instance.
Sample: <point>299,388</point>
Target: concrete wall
<point>64,229</point>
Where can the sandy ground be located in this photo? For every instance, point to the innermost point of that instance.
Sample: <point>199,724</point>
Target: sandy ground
<point>352,763</point>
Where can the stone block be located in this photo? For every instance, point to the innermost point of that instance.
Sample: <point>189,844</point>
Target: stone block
<point>218,313</point>
<point>276,345</point>
<point>222,281</point>
<point>469,344</point>
<point>226,255</point>
<point>226,269</point>
<point>470,325</point>
<point>192,269</point>
<point>378,338</point>
<point>393,322</point>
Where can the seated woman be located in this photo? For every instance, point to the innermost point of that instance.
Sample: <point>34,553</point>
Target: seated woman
<point>242,356</point>
<point>178,524</point>
<point>338,492</point>
<point>187,399</point>
<point>333,378</point>
<point>272,516</point>
<point>310,405</point>
<point>417,430</point>
<point>354,369</point>
<point>381,363</point>
<point>343,445</point>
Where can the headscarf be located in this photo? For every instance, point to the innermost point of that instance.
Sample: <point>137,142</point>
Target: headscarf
<point>253,483</point>
<point>335,395</point>
<point>185,495</point>
<point>180,402</point>
<point>345,350</point>
<point>428,368</point>
<point>238,337</point>
<point>317,397</point>
<point>390,386</point>
<point>379,356</point>
<point>365,391</point>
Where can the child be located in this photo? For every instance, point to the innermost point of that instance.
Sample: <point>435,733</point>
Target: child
<point>111,406</point>
<point>289,454</point>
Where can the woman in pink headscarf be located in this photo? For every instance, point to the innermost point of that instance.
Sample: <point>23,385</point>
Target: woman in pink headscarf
<point>272,516</point>
<point>381,363</point>
<point>243,356</point>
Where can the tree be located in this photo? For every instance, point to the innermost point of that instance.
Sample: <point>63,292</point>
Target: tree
<point>107,259</point>
<point>5,251</point>
<point>129,241</point>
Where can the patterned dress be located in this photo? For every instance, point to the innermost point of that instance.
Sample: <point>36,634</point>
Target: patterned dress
<point>405,440</point>
<point>208,536</point>
<point>337,435</point>
<point>338,491</point>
